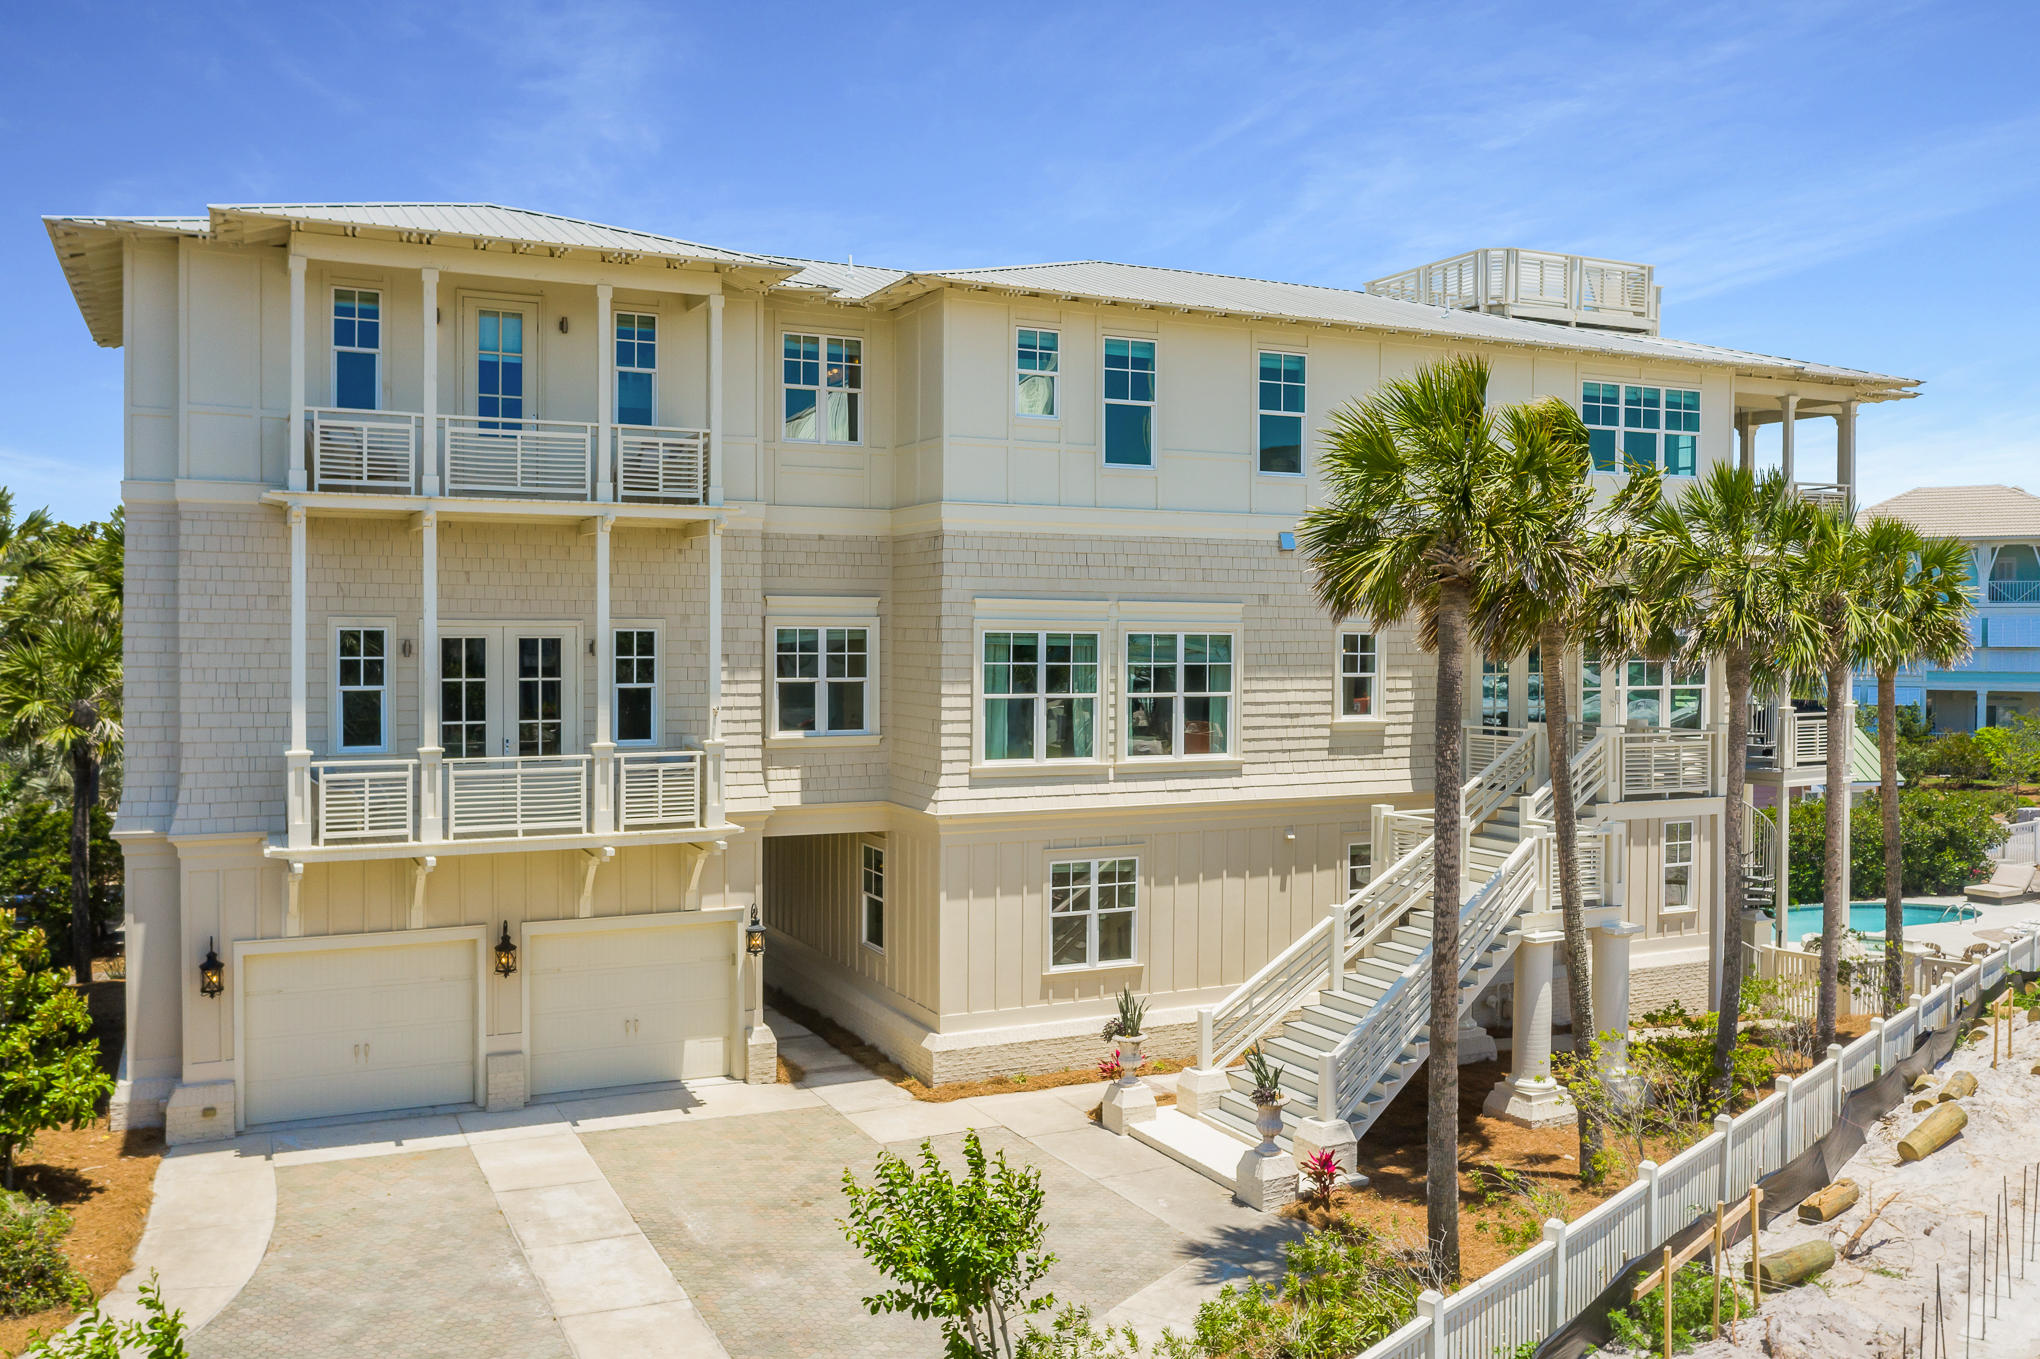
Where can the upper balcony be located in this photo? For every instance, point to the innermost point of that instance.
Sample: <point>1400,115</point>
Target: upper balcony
<point>409,453</point>
<point>1537,285</point>
<point>1783,738</point>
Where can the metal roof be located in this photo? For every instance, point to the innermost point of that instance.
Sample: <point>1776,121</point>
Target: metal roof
<point>1145,285</point>
<point>474,222</point>
<point>89,250</point>
<point>844,282</point>
<point>1968,512</point>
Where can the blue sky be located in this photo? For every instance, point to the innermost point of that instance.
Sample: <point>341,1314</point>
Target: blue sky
<point>1850,182</point>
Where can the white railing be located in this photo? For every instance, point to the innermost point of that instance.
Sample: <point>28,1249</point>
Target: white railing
<point>516,795</point>
<point>1578,1260</point>
<point>659,789</point>
<point>364,450</point>
<point>363,800</point>
<point>519,457</point>
<point>661,464</point>
<point>1664,762</point>
<point>1479,747</point>
<point>1800,739</point>
<point>1532,282</point>
<point>1826,495</point>
<point>1589,778</point>
<point>2015,591</point>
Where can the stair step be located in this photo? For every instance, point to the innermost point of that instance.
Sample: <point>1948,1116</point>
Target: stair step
<point>1374,967</point>
<point>1409,938</point>
<point>1314,1033</point>
<point>1354,1001</point>
<point>1211,1152</point>
<point>1325,1019</point>
<point>1398,955</point>
<point>1296,1081</point>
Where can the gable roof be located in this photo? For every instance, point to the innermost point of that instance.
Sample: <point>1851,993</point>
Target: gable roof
<point>1965,511</point>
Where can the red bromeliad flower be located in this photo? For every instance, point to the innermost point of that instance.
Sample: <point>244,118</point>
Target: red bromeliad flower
<point>1109,1068</point>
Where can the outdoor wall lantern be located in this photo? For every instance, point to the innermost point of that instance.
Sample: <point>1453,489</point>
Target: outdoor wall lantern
<point>506,954</point>
<point>754,935</point>
<point>212,973</point>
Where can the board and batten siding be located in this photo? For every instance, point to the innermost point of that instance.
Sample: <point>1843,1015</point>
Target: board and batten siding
<point>813,895</point>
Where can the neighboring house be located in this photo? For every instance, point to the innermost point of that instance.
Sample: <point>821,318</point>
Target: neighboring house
<point>497,577</point>
<point>2001,526</point>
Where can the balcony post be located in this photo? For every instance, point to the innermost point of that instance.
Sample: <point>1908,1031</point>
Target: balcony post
<point>1746,441</point>
<point>1781,887</point>
<point>1790,407</point>
<point>298,759</point>
<point>605,396</point>
<point>714,471</point>
<point>1845,450</point>
<point>294,437</point>
<point>431,815</point>
<point>604,749</point>
<point>712,744</point>
<point>428,436</point>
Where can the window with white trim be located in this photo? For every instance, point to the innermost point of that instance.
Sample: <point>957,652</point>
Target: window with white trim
<point>1037,372</point>
<point>637,366</point>
<point>1359,674</point>
<point>1630,425</point>
<point>1041,695</point>
<point>824,381</point>
<point>361,683</point>
<point>821,679</point>
<point>1179,688</point>
<point>636,705</point>
<point>873,897</point>
<point>1091,905</point>
<point>357,348</point>
<point>1359,865</point>
<point>1280,413</point>
<point>1678,865</point>
<point>1658,694</point>
<point>1129,403</point>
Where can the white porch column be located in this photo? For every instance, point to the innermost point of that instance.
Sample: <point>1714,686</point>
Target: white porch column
<point>1982,709</point>
<point>1611,992</point>
<point>1781,889</point>
<point>712,813</point>
<point>294,436</point>
<point>1791,409</point>
<point>428,378</point>
<point>431,814</point>
<point>1845,448</point>
<point>604,748</point>
<point>605,396</point>
<point>1528,1095</point>
<point>298,759</point>
<point>1746,441</point>
<point>715,398</point>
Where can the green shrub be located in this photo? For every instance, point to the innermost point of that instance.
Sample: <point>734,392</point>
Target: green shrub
<point>1641,1325</point>
<point>35,1274</point>
<point>1958,756</point>
<point>1944,837</point>
<point>1073,1335</point>
<point>1340,1292</point>
<point>159,1335</point>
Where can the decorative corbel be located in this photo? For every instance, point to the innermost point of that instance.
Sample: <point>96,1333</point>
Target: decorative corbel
<point>293,884</point>
<point>420,869</point>
<point>595,858</point>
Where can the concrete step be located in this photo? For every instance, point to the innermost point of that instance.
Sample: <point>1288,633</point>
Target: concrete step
<point>1212,1153</point>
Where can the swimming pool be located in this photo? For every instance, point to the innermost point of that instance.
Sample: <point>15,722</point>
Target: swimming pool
<point>1868,916</point>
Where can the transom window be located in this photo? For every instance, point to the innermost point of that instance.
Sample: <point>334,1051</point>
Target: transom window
<point>1038,365</point>
<point>1091,906</point>
<point>1678,865</point>
<point>637,366</point>
<point>1651,427</point>
<point>873,874</point>
<point>637,684</point>
<point>1041,695</point>
<point>1359,865</point>
<point>1178,694</point>
<point>824,377</point>
<point>820,679</point>
<point>362,682</point>
<point>1359,672</point>
<point>1129,403</point>
<point>1281,413</point>
<point>357,348</point>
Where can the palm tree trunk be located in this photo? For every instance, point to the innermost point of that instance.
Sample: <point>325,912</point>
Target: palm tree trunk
<point>1733,853</point>
<point>84,794</point>
<point>1441,1149</point>
<point>1572,903</point>
<point>1894,862</point>
<point>1835,878</point>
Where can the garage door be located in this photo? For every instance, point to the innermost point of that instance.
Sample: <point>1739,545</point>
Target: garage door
<point>629,1006</point>
<point>358,1030</point>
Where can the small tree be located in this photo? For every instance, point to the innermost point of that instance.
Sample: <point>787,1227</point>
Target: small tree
<point>49,1062</point>
<point>964,1250</point>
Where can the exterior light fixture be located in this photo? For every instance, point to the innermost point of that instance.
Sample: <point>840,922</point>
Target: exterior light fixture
<point>754,935</point>
<point>563,325</point>
<point>212,973</point>
<point>1289,832</point>
<point>506,954</point>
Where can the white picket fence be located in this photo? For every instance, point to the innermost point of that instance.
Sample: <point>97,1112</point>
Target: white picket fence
<point>1546,1286</point>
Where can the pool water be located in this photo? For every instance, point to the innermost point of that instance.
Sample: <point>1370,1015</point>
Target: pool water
<point>1868,916</point>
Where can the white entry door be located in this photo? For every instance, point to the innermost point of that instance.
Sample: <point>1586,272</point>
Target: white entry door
<point>630,1006</point>
<point>506,691</point>
<point>357,1030</point>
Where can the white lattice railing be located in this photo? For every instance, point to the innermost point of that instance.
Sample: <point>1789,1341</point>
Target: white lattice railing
<point>518,457</point>
<point>659,789</point>
<point>364,450</point>
<point>661,464</point>
<point>516,795</point>
<point>363,800</point>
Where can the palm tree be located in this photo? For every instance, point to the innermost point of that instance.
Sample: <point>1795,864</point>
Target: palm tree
<point>1919,614</point>
<point>1714,562</point>
<point>1421,493</point>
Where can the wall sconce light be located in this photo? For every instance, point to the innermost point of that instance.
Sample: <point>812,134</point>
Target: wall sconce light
<point>563,325</point>
<point>1289,832</point>
<point>506,954</point>
<point>212,973</point>
<point>754,935</point>
<point>407,648</point>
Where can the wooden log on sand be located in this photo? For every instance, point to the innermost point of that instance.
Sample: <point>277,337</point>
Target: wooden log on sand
<point>1923,1081</point>
<point>1795,1264</point>
<point>1961,1085</point>
<point>1830,1203</point>
<point>1933,1132</point>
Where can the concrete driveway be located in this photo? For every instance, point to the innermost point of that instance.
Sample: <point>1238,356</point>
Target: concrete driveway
<point>695,1221</point>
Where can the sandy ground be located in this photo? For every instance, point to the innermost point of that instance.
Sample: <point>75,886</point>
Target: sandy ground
<point>1861,1306</point>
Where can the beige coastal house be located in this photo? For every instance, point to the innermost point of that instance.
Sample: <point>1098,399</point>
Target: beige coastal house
<point>520,607</point>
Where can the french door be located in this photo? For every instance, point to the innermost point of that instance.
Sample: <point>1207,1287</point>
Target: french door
<point>499,343</point>
<point>506,691</point>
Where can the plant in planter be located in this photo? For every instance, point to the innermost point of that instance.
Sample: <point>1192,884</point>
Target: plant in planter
<point>1267,1096</point>
<point>1126,1027</point>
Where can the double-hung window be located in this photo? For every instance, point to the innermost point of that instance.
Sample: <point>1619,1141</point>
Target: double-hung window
<point>824,380</point>
<point>1041,695</point>
<point>1359,674</point>
<point>1178,694</point>
<point>1359,865</point>
<point>1678,865</point>
<point>1037,372</point>
<point>1129,403</point>
<point>820,680</point>
<point>637,685</point>
<point>637,366</point>
<point>872,924</point>
<point>1281,413</point>
<point>1090,912</point>
<point>1634,426</point>
<point>357,348</point>
<point>362,688</point>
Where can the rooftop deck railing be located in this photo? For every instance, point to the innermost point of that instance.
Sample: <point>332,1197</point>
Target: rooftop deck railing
<point>1535,283</point>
